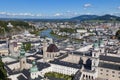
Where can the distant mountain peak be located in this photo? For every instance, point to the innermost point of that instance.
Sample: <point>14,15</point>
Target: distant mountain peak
<point>95,17</point>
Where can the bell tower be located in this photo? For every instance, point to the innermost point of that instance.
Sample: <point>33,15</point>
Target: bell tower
<point>22,58</point>
<point>102,46</point>
<point>95,56</point>
<point>44,50</point>
<point>34,71</point>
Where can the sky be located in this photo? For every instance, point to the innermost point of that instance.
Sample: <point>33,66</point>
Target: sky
<point>57,8</point>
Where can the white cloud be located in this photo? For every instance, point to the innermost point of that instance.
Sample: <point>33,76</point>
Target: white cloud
<point>119,7</point>
<point>87,5</point>
<point>67,14</point>
<point>58,14</point>
<point>20,14</point>
<point>38,15</point>
<point>88,13</point>
<point>2,13</point>
<point>116,13</point>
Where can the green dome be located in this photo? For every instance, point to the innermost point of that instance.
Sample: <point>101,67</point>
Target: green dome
<point>33,63</point>
<point>34,67</point>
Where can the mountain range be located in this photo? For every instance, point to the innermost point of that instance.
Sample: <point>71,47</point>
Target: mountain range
<point>96,17</point>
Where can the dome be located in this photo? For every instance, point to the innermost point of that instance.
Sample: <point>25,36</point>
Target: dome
<point>34,67</point>
<point>52,48</point>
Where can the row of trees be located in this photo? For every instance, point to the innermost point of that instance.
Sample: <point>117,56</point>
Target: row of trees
<point>68,30</point>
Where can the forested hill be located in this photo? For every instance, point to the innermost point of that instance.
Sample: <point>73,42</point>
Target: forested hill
<point>17,26</point>
<point>106,17</point>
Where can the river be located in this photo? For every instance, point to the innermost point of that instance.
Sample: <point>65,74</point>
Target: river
<point>46,33</point>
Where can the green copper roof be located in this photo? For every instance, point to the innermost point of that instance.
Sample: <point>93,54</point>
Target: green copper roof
<point>101,42</point>
<point>95,45</point>
<point>22,51</point>
<point>33,63</point>
<point>34,67</point>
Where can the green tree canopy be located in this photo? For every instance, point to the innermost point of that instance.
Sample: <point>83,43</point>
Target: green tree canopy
<point>27,46</point>
<point>118,34</point>
<point>3,73</point>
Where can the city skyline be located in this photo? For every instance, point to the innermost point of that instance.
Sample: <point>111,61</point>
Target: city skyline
<point>57,8</point>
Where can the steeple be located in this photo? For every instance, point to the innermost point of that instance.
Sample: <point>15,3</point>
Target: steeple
<point>44,50</point>
<point>101,43</point>
<point>22,51</point>
<point>34,67</point>
<point>22,58</point>
<point>95,55</point>
<point>96,46</point>
<point>34,71</point>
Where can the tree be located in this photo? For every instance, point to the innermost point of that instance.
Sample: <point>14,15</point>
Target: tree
<point>118,34</point>
<point>3,73</point>
<point>27,46</point>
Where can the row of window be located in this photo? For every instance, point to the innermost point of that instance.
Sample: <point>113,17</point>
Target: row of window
<point>107,75</point>
<point>108,71</point>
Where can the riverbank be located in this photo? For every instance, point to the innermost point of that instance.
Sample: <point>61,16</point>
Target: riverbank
<point>65,37</point>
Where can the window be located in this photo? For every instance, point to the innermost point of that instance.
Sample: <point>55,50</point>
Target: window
<point>101,69</point>
<point>113,71</point>
<point>118,72</point>
<point>106,74</point>
<point>113,75</point>
<point>23,62</point>
<point>107,70</point>
<point>101,73</point>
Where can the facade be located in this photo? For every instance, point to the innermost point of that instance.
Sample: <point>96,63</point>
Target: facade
<point>93,63</point>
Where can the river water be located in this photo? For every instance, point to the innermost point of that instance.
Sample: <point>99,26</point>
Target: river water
<point>46,33</point>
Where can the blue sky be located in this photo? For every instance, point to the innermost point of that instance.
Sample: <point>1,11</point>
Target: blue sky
<point>57,8</point>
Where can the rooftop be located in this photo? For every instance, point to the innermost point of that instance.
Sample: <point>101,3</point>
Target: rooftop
<point>109,66</point>
<point>67,64</point>
<point>110,58</point>
<point>52,48</point>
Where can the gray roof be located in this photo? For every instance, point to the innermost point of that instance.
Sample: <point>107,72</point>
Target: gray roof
<point>109,66</point>
<point>110,58</point>
<point>67,64</point>
<point>1,42</point>
<point>77,75</point>
<point>87,53</point>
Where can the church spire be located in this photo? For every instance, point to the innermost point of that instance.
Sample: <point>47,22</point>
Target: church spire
<point>22,51</point>
<point>22,58</point>
<point>96,46</point>
<point>34,71</point>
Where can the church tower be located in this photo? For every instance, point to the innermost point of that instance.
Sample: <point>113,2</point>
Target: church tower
<point>22,58</point>
<point>95,55</point>
<point>44,50</point>
<point>34,73</point>
<point>102,46</point>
